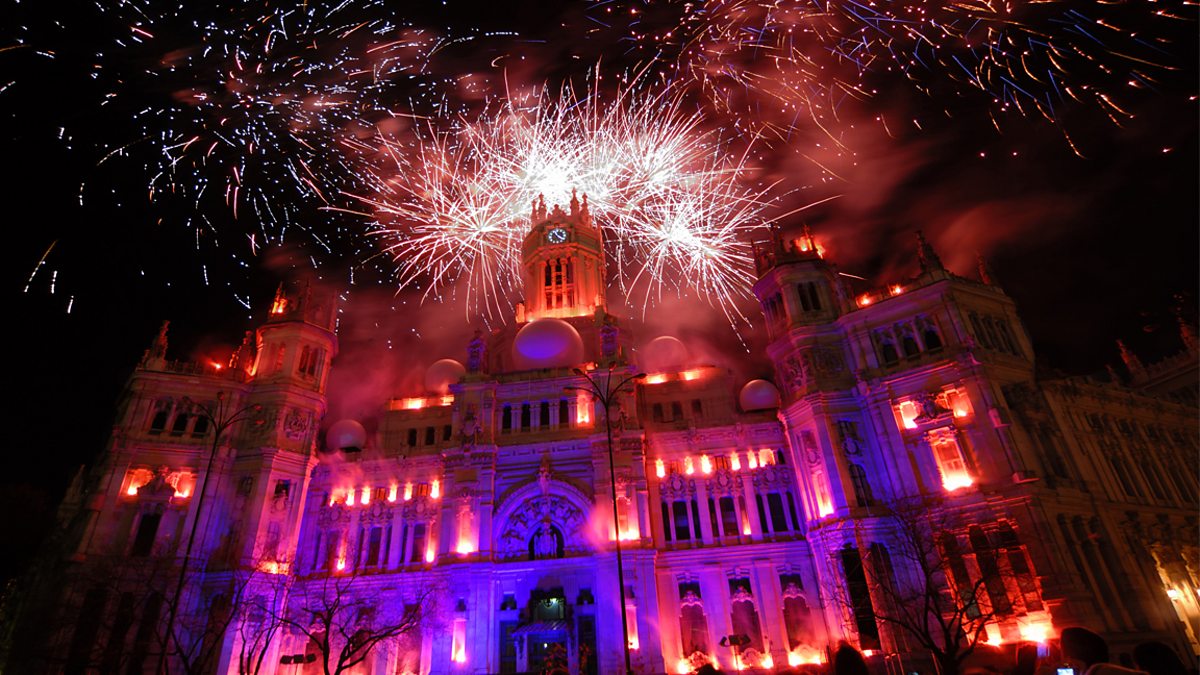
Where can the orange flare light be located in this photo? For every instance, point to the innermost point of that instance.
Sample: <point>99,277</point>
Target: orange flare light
<point>656,378</point>
<point>956,481</point>
<point>1036,631</point>
<point>276,567</point>
<point>583,412</point>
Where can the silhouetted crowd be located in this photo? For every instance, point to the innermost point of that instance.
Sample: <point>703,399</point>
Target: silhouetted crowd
<point>1079,651</point>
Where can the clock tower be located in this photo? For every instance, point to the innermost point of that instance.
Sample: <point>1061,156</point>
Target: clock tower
<point>562,259</point>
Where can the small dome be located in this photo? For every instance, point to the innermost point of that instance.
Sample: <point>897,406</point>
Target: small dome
<point>442,374</point>
<point>345,434</point>
<point>547,343</point>
<point>758,395</point>
<point>664,353</point>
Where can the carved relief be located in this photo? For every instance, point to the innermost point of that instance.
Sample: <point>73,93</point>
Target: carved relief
<point>793,374</point>
<point>809,444</point>
<point>297,424</point>
<point>545,526</point>
<point>263,425</point>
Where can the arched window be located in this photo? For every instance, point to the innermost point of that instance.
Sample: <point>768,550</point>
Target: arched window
<point>179,427</point>
<point>162,412</point>
<point>862,489</point>
<point>886,343</point>
<point>693,624</point>
<point>743,613</point>
<point>931,338</point>
<point>909,343</point>
<point>797,615</point>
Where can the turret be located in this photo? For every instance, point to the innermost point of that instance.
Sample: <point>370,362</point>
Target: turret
<point>796,286</point>
<point>563,262</point>
<point>277,447</point>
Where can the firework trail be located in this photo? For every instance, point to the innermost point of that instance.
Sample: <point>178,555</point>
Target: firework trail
<point>243,114</point>
<point>786,63</point>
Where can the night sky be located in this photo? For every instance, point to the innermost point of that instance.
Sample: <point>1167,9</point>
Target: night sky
<point>1082,195</point>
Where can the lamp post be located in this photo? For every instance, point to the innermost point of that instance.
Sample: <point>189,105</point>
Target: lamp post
<point>221,418</point>
<point>606,395</point>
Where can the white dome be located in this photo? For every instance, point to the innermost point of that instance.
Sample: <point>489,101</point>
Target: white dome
<point>758,395</point>
<point>547,343</point>
<point>442,374</point>
<point>663,353</point>
<point>345,434</point>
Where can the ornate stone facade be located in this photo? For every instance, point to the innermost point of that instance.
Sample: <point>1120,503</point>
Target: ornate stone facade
<point>492,499</point>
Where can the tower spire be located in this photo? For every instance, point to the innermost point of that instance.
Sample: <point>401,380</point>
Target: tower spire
<point>1187,334</point>
<point>1132,362</point>
<point>157,353</point>
<point>985,271</point>
<point>928,257</point>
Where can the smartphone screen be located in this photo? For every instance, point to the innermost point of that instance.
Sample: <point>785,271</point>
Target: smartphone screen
<point>1066,670</point>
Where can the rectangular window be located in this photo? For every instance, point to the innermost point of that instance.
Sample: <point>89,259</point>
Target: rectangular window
<point>544,414</point>
<point>666,521</point>
<point>508,647</point>
<point>374,546</point>
<point>412,437</point>
<point>729,521</point>
<point>526,417</point>
<point>446,432</point>
<point>697,409</point>
<point>679,511</point>
<point>657,412</point>
<point>506,419</point>
<point>143,541</point>
<point>417,554</point>
<point>778,518</point>
<point>676,410</point>
<point>859,595</point>
<point>563,418</point>
<point>430,434</point>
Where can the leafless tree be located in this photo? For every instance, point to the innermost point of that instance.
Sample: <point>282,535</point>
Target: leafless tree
<point>345,620</point>
<point>258,621</point>
<point>109,615</point>
<point>923,589</point>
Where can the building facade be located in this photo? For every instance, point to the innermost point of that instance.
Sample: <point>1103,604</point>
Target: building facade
<point>476,528</point>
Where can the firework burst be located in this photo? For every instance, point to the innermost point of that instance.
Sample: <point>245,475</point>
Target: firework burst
<point>453,204</point>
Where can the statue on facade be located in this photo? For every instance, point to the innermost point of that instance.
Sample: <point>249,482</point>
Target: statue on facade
<point>470,430</point>
<point>608,337</point>
<point>545,543</point>
<point>476,353</point>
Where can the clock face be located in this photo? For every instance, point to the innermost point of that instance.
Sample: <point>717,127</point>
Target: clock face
<point>557,235</point>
